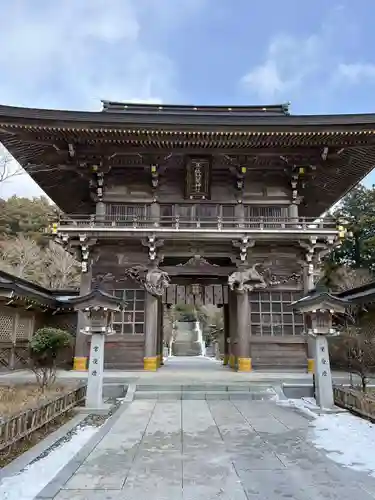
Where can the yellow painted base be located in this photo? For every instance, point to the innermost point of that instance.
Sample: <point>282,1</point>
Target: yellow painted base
<point>226,359</point>
<point>244,364</point>
<point>80,364</point>
<point>151,364</point>
<point>310,366</point>
<point>232,361</point>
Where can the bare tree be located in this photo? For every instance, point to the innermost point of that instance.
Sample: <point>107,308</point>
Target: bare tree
<point>61,268</point>
<point>345,277</point>
<point>8,167</point>
<point>51,267</point>
<point>21,256</point>
<point>169,324</point>
<point>357,353</point>
<point>354,349</point>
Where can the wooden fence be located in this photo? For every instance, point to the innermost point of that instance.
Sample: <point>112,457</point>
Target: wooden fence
<point>24,424</point>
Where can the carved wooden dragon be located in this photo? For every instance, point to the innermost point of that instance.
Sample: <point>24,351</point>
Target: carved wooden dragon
<point>154,280</point>
<point>246,279</point>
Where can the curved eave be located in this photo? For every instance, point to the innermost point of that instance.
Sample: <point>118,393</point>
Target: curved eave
<point>19,292</point>
<point>35,136</point>
<point>59,120</point>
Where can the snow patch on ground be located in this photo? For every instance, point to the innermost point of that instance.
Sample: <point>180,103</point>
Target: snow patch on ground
<point>304,405</point>
<point>346,439</point>
<point>27,484</point>
<point>215,360</point>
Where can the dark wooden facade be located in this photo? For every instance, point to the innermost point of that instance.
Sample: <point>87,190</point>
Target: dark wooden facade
<point>24,308</point>
<point>203,193</point>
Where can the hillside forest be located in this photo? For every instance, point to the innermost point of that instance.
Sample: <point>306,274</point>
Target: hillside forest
<point>27,251</point>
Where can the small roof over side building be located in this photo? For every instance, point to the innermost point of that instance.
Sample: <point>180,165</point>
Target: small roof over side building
<point>15,290</point>
<point>360,294</point>
<point>97,299</point>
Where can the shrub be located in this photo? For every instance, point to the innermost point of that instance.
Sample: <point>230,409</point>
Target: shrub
<point>45,346</point>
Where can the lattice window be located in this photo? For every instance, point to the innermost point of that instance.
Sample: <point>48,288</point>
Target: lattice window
<point>271,215</point>
<point>126,211</point>
<point>131,320</point>
<point>271,314</point>
<point>6,325</point>
<point>24,329</point>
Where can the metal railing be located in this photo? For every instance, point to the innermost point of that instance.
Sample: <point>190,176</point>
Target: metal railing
<point>196,223</point>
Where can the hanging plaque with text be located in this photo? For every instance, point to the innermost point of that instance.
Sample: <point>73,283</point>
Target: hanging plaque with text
<point>197,184</point>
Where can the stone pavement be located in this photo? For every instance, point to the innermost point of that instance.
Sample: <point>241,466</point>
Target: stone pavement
<point>185,370</point>
<point>210,449</point>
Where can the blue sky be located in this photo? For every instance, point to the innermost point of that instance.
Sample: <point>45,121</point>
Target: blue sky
<point>319,55</point>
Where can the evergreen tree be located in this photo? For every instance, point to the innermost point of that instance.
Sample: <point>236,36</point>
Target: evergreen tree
<point>357,209</point>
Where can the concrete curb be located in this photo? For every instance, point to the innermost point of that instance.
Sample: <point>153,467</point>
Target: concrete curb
<point>21,462</point>
<point>54,486</point>
<point>130,393</point>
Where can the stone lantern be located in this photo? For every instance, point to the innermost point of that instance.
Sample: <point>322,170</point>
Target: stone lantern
<point>98,308</point>
<point>318,309</point>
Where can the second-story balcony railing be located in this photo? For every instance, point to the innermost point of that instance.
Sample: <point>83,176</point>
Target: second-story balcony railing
<point>177,223</point>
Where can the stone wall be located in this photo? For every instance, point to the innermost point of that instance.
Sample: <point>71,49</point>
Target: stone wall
<point>358,402</point>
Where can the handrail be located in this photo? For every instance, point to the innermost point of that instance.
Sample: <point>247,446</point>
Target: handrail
<point>177,222</point>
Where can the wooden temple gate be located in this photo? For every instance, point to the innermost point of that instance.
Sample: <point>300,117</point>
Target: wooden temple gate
<point>241,185</point>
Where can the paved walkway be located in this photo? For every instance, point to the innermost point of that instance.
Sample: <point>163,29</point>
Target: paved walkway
<point>210,449</point>
<point>186,370</point>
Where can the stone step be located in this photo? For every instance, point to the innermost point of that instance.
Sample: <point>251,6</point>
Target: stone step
<point>253,388</point>
<point>205,395</point>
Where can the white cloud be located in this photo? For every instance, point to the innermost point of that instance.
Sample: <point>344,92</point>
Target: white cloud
<point>72,54</point>
<point>288,63</point>
<point>67,55</point>
<point>314,64</point>
<point>356,73</point>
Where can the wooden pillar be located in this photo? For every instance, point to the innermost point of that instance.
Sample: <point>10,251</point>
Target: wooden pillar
<point>13,339</point>
<point>239,213</point>
<point>81,348</point>
<point>243,331</point>
<point>155,213</point>
<point>100,210</point>
<point>293,213</point>
<point>226,333</point>
<point>232,303</point>
<point>151,333</point>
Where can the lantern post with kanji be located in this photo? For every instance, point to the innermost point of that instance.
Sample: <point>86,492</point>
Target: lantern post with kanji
<point>318,308</point>
<point>98,308</point>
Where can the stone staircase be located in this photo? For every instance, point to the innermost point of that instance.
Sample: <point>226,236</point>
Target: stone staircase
<point>174,392</point>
